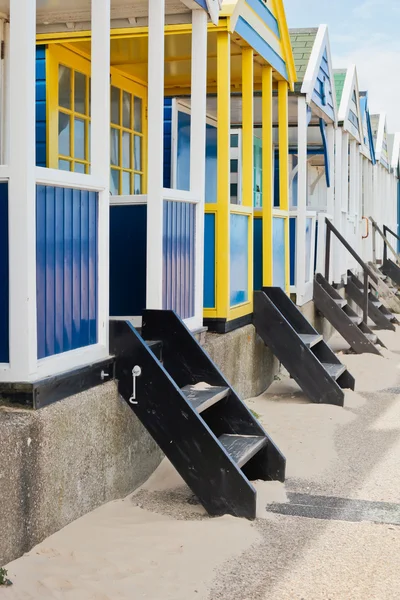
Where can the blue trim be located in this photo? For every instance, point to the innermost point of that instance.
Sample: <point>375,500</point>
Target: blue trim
<point>128,239</point>
<point>66,269</point>
<point>353,119</point>
<point>179,226</point>
<point>322,127</point>
<point>202,3</point>
<point>209,260</point>
<point>265,15</point>
<point>41,124</point>
<point>239,235</point>
<point>4,275</point>
<point>258,254</point>
<point>365,112</point>
<point>292,247</point>
<point>246,31</point>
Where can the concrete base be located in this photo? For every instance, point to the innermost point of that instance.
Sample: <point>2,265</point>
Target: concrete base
<point>60,462</point>
<point>317,320</point>
<point>244,359</point>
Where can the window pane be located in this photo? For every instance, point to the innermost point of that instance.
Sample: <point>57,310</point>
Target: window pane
<point>126,183</point>
<point>126,109</point>
<point>64,86</point>
<point>79,168</point>
<point>234,140</point>
<point>126,150</point>
<point>138,153</point>
<point>114,182</point>
<point>90,96</point>
<point>234,193</point>
<point>79,141</point>
<point>115,112</point>
<point>137,184</point>
<point>234,165</point>
<point>114,146</point>
<point>64,129</point>
<point>64,165</point>
<point>138,114</point>
<point>80,93</point>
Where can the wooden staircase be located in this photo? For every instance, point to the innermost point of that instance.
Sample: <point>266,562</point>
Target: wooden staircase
<point>191,411</point>
<point>377,311</point>
<point>300,348</point>
<point>391,270</point>
<point>343,318</point>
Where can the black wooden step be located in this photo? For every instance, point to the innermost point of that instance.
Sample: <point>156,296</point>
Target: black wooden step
<point>201,399</point>
<point>299,347</point>
<point>392,271</point>
<point>372,337</point>
<point>357,320</point>
<point>156,347</point>
<point>241,448</point>
<point>342,302</point>
<point>311,339</point>
<point>335,371</point>
<point>167,398</point>
<point>344,319</point>
<point>379,314</point>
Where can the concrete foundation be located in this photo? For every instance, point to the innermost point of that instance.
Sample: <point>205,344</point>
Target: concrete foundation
<point>60,462</point>
<point>243,358</point>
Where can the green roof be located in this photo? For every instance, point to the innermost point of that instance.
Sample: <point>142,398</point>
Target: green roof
<point>340,78</point>
<point>302,44</point>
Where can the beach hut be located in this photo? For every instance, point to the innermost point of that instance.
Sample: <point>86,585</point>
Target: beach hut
<point>368,162</point>
<point>249,61</point>
<point>384,206</point>
<point>312,119</point>
<point>86,90</point>
<point>348,188</point>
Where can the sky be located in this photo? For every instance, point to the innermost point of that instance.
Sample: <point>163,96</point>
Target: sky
<point>364,33</point>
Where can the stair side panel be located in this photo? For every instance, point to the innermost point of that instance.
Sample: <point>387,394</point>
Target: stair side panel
<point>303,366</point>
<point>187,362</point>
<point>341,321</point>
<point>178,429</point>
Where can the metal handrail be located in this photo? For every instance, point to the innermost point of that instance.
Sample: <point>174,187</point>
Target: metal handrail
<point>387,229</point>
<point>386,243</point>
<point>368,273</point>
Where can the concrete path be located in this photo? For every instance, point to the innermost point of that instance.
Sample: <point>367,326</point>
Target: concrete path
<point>331,533</point>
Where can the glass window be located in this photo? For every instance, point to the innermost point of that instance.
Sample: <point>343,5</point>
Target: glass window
<point>126,110</point>
<point>64,86</point>
<point>126,149</point>
<point>114,150</point>
<point>126,133</point>
<point>115,105</point>
<point>138,114</point>
<point>79,139</point>
<point>80,93</point>
<point>64,134</point>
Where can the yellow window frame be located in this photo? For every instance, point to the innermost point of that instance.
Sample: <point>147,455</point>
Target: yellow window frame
<point>59,55</point>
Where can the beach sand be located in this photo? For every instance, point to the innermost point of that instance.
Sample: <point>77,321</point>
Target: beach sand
<point>159,543</point>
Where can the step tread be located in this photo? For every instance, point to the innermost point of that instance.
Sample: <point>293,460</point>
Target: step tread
<point>341,303</point>
<point>356,320</point>
<point>242,448</point>
<point>311,339</point>
<point>376,303</point>
<point>372,337</point>
<point>334,370</point>
<point>201,399</point>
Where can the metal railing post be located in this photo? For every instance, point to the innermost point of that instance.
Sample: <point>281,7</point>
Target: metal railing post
<point>327,250</point>
<point>366,294</point>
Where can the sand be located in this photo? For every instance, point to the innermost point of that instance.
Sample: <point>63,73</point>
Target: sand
<point>159,543</point>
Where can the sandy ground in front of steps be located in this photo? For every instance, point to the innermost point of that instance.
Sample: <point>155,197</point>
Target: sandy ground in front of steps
<point>159,544</point>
